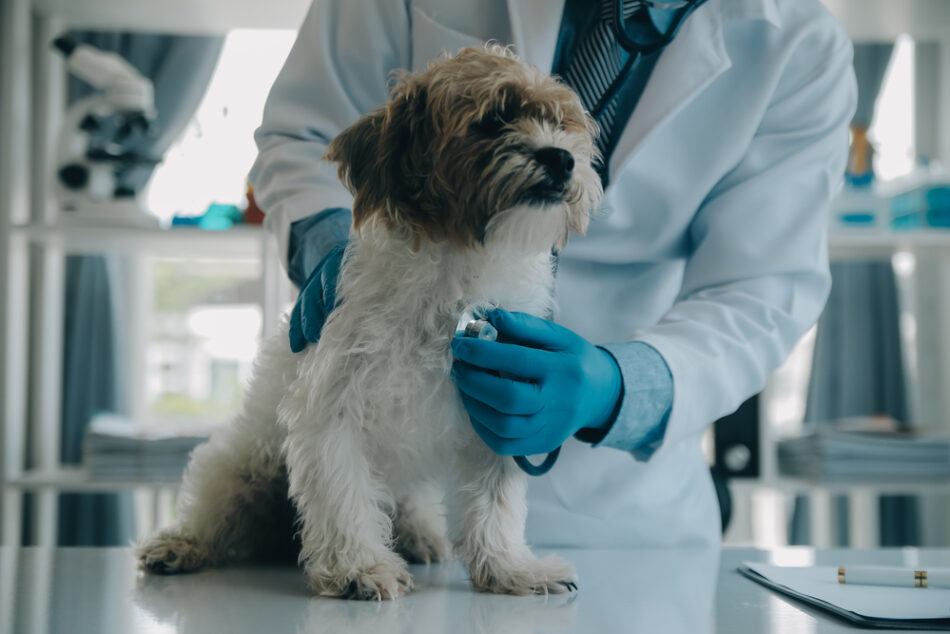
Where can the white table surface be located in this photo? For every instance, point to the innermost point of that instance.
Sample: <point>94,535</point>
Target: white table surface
<point>79,590</point>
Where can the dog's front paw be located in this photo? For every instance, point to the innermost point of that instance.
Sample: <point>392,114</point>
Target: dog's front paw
<point>381,581</point>
<point>549,575</point>
<point>171,551</point>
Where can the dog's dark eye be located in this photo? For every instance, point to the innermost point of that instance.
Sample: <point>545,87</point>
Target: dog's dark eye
<point>491,123</point>
<point>497,118</point>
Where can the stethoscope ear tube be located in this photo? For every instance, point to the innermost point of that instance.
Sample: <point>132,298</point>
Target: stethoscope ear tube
<point>537,470</point>
<point>629,43</point>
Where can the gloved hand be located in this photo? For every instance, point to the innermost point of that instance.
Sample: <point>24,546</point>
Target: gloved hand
<point>535,387</point>
<point>316,300</point>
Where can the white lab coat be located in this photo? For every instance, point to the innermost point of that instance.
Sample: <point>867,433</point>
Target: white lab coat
<point>711,246</point>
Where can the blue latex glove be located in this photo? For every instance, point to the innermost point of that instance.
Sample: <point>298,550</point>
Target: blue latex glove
<point>535,387</point>
<point>316,300</point>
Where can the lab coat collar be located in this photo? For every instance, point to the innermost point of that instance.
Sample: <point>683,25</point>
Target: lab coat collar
<point>535,25</point>
<point>751,10</point>
<point>691,61</point>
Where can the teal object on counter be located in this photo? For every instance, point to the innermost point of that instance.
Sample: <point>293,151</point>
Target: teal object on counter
<point>861,207</point>
<point>217,217</point>
<point>857,218</point>
<point>859,180</point>
<point>926,206</point>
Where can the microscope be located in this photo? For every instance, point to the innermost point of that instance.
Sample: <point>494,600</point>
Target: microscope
<point>97,147</point>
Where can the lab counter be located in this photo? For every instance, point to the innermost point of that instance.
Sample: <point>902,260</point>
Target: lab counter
<point>87,590</point>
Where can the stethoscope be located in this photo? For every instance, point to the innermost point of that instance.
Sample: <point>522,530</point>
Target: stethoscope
<point>629,41</point>
<point>642,42</point>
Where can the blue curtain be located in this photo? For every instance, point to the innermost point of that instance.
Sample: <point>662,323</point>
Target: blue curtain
<point>858,367</point>
<point>180,68</point>
<point>89,386</point>
<point>857,370</point>
<point>870,63</point>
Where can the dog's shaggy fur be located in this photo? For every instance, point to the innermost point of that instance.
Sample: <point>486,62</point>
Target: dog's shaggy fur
<point>464,183</point>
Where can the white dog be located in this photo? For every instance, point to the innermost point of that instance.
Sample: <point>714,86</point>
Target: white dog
<point>464,184</point>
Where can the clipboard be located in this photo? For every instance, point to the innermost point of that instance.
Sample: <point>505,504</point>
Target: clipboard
<point>880,607</point>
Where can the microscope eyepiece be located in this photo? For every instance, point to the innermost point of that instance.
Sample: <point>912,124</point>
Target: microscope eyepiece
<point>65,45</point>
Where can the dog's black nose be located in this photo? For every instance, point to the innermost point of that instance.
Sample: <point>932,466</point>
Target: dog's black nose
<point>558,162</point>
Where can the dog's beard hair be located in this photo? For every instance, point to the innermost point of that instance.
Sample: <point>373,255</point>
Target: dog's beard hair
<point>527,227</point>
<point>512,171</point>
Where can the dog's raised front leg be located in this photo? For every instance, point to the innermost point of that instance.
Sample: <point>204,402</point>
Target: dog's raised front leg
<point>345,529</point>
<point>488,528</point>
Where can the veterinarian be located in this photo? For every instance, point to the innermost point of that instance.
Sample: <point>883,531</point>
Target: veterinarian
<point>723,147</point>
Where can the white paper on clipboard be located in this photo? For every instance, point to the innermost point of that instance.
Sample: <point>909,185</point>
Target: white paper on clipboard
<point>917,608</point>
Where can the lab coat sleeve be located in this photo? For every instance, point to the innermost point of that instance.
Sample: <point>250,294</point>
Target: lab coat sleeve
<point>338,68</point>
<point>757,277</point>
<point>644,412</point>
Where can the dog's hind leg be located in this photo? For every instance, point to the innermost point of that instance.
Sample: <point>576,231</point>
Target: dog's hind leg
<point>228,511</point>
<point>488,521</point>
<point>233,502</point>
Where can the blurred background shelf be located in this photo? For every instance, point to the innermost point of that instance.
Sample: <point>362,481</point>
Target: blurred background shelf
<point>800,485</point>
<point>78,480</point>
<point>175,16</point>
<point>874,242</point>
<point>241,240</point>
<point>848,511</point>
<point>843,243</point>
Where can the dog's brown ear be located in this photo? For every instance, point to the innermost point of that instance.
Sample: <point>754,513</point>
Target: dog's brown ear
<point>356,151</point>
<point>382,158</point>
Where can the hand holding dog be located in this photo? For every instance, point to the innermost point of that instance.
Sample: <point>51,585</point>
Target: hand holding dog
<point>316,300</point>
<point>537,386</point>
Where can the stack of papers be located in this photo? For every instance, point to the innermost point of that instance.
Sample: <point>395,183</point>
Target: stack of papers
<point>856,448</point>
<point>115,448</point>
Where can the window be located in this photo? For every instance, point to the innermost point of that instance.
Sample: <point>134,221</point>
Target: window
<point>205,317</point>
<point>210,161</point>
<point>892,130</point>
<point>204,327</point>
